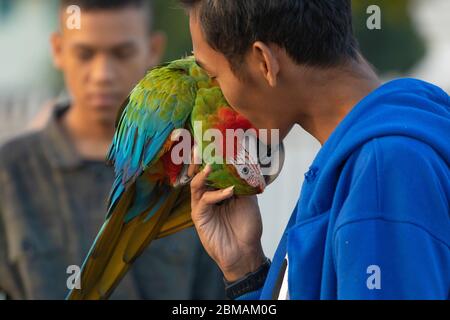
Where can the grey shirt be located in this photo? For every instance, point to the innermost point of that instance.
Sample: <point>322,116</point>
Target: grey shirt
<point>52,204</point>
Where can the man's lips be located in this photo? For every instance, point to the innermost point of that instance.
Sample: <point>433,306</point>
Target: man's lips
<point>102,99</point>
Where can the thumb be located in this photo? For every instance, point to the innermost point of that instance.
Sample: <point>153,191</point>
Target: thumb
<point>213,197</point>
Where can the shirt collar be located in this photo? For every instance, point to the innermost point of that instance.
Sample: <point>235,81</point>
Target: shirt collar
<point>58,146</point>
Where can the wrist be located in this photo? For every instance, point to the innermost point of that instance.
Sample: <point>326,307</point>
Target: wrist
<point>247,264</point>
<point>252,281</point>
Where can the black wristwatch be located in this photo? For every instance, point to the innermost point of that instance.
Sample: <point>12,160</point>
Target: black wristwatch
<point>250,282</point>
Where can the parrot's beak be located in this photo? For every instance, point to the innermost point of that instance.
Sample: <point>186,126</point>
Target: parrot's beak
<point>273,168</point>
<point>262,184</point>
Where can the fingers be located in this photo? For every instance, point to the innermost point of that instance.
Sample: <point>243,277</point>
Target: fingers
<point>195,162</point>
<point>198,183</point>
<point>214,197</point>
<point>200,194</point>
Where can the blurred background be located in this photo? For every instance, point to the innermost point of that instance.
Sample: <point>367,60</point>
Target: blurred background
<point>413,42</point>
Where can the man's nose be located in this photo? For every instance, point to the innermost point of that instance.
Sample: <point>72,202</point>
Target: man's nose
<point>103,70</point>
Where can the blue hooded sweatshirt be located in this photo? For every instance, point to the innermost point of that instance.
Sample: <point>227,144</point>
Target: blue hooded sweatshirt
<point>372,221</point>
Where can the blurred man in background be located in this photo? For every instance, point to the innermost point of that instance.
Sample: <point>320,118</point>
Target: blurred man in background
<point>54,183</point>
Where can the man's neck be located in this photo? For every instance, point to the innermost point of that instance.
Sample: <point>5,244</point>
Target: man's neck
<point>90,136</point>
<point>332,95</point>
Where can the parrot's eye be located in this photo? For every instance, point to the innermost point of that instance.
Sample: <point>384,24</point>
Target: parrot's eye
<point>245,170</point>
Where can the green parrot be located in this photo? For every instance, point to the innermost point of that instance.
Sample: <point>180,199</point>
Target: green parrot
<point>150,197</point>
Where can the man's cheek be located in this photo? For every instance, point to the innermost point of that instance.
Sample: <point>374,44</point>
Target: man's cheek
<point>233,96</point>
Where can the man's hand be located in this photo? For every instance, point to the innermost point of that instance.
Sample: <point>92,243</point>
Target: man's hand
<point>229,227</point>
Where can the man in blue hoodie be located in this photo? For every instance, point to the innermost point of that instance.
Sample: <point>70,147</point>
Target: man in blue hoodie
<point>372,221</point>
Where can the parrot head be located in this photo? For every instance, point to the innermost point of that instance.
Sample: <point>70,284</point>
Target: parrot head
<point>236,160</point>
<point>255,168</point>
<point>247,167</point>
<point>247,171</point>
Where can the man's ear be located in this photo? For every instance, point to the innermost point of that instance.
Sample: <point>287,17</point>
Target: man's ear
<point>267,59</point>
<point>157,44</point>
<point>56,46</point>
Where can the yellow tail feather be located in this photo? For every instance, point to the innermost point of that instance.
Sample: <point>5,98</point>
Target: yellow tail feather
<point>109,263</point>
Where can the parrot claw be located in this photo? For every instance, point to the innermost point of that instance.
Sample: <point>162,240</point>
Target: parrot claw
<point>184,178</point>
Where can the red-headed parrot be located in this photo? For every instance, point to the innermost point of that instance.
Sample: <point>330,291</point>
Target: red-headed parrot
<point>150,197</point>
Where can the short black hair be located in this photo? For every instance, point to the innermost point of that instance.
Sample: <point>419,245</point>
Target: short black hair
<point>94,5</point>
<point>313,32</point>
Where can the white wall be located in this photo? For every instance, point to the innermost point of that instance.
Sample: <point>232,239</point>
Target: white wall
<point>25,63</point>
<point>24,40</point>
<point>433,22</point>
<point>279,199</point>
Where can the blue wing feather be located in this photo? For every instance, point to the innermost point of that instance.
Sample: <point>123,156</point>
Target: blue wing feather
<point>147,120</point>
